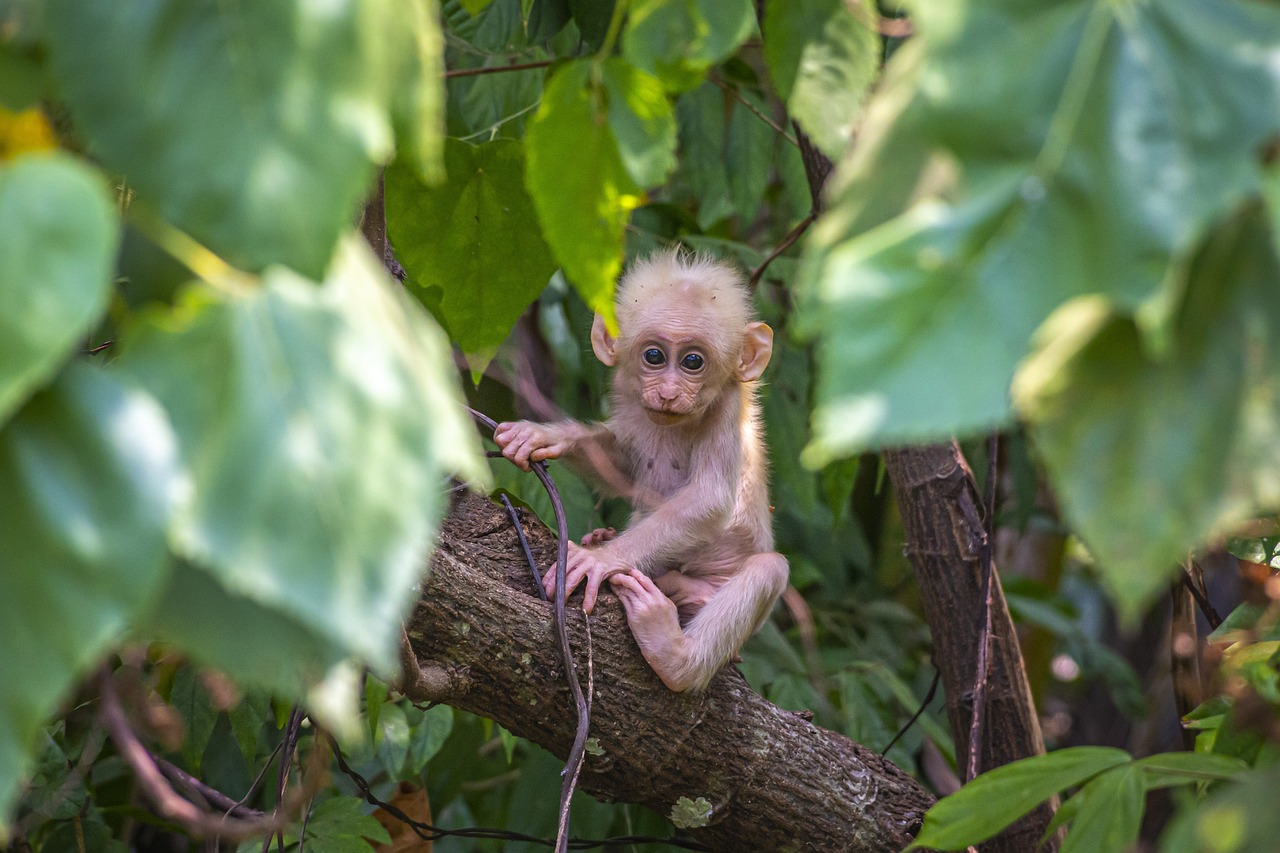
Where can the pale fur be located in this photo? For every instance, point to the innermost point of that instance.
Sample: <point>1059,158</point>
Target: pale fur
<point>698,487</point>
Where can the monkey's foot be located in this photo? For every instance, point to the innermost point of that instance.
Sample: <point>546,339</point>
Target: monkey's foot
<point>600,534</point>
<point>655,623</point>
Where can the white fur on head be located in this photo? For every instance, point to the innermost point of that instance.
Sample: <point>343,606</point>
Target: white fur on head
<point>674,288</point>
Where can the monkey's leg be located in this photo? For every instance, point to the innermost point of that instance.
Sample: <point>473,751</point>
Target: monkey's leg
<point>687,660</point>
<point>733,614</point>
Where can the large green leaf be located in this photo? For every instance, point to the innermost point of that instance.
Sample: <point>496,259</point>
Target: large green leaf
<point>1154,454</point>
<point>642,121</point>
<point>999,797</point>
<point>823,58</point>
<point>703,171</point>
<point>474,238</point>
<point>1095,154</point>
<point>1107,813</point>
<point>253,126</point>
<point>58,235</point>
<point>678,40</point>
<point>88,470</point>
<point>579,183</point>
<point>318,424</point>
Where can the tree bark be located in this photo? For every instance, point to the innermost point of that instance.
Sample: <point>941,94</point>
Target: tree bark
<point>771,780</point>
<point>941,519</point>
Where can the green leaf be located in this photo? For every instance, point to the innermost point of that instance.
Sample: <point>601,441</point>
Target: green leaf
<point>583,210</point>
<point>703,169</point>
<point>997,798</point>
<point>474,237</point>
<point>58,236</point>
<point>475,7</point>
<point>191,700</point>
<point>89,474</point>
<point>1183,768</point>
<point>823,58</point>
<point>750,150</point>
<point>1108,814</point>
<point>642,121</point>
<point>1153,455</point>
<point>255,127</point>
<point>1238,818</point>
<point>678,40</point>
<point>592,18</point>
<point>340,818</point>
<point>418,96</point>
<point>429,734</point>
<point>318,423</point>
<point>1095,155</point>
<point>392,739</point>
<point>247,719</point>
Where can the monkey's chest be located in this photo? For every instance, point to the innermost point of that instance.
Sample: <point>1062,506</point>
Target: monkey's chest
<point>662,474</point>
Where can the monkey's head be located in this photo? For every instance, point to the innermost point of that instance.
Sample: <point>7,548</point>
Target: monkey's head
<point>685,335</point>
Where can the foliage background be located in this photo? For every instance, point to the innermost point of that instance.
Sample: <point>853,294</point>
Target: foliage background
<point>226,433</point>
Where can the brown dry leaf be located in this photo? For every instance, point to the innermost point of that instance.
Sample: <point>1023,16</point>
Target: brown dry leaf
<point>413,802</point>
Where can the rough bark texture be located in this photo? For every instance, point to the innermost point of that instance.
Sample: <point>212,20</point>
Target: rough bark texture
<point>943,526</point>
<point>774,781</point>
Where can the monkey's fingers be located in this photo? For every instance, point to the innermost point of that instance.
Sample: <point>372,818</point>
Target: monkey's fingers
<point>550,451</point>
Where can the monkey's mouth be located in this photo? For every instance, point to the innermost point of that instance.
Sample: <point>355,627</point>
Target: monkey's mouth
<point>662,418</point>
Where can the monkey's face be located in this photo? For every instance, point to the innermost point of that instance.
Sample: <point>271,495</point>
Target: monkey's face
<point>677,377</point>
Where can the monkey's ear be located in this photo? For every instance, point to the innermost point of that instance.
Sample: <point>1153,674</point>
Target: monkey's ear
<point>757,349</point>
<point>603,342</point>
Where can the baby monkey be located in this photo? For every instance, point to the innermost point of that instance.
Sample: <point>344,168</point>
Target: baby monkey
<point>695,568</point>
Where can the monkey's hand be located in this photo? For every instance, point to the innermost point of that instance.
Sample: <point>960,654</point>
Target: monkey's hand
<point>596,565</point>
<point>524,442</point>
<point>656,627</point>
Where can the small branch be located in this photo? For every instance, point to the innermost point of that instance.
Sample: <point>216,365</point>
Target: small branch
<point>212,795</point>
<point>494,69</point>
<point>756,111</point>
<point>984,641</point>
<point>167,801</point>
<point>1211,615</point>
<point>787,242</point>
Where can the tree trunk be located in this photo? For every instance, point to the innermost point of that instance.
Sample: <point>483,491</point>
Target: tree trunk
<point>770,780</point>
<point>942,521</point>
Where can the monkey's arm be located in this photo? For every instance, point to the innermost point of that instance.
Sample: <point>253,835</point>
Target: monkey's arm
<point>693,515</point>
<point>590,447</point>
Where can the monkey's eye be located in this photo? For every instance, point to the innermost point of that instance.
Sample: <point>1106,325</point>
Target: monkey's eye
<point>654,356</point>
<point>692,361</point>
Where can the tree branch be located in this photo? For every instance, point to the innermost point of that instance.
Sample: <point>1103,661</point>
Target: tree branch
<point>771,780</point>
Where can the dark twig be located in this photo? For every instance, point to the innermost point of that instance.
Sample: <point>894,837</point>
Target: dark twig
<point>428,832</point>
<point>212,795</point>
<point>289,744</point>
<point>494,69</point>
<point>1211,615</point>
<point>924,705</point>
<point>787,242</point>
<point>167,802</point>
<point>984,641</point>
<point>524,546</point>
<point>577,752</point>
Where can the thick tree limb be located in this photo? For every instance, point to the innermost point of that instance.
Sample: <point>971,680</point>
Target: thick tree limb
<point>773,781</point>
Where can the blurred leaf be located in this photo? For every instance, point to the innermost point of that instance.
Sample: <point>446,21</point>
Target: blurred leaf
<point>678,40</point>
<point>89,474</point>
<point>592,18</point>
<point>418,90</point>
<point>1095,155</point>
<point>318,477</point>
<point>1151,456</point>
<point>247,719</point>
<point>474,237</point>
<point>58,236</point>
<point>1237,818</point>
<point>999,797</point>
<point>583,210</point>
<point>255,127</point>
<point>392,739</point>
<point>823,58</point>
<point>475,7</point>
